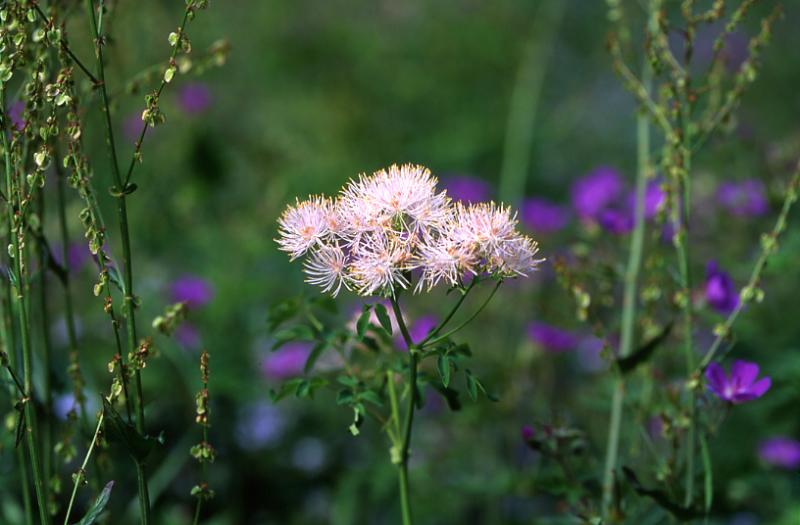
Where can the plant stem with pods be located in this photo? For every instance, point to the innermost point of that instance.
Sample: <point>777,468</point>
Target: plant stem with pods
<point>122,212</point>
<point>9,345</point>
<point>69,311</point>
<point>17,233</point>
<point>627,324</point>
<point>769,244</point>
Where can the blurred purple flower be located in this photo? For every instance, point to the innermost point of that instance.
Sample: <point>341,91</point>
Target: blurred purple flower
<point>618,222</point>
<point>596,191</point>
<point>188,336</point>
<point>15,111</point>
<point>288,361</point>
<point>309,454</point>
<point>590,356</point>
<point>194,98</point>
<point>543,216</point>
<point>132,127</point>
<point>467,189</point>
<point>747,198</point>
<point>527,432</point>
<point>192,290</point>
<point>655,427</point>
<point>421,327</point>
<point>740,386</point>
<point>259,425</point>
<point>78,255</point>
<point>781,452</point>
<point>721,292</point>
<point>735,51</point>
<point>551,338</point>
<point>65,403</point>
<point>654,199</point>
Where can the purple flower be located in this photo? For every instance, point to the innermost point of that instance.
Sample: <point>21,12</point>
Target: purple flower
<point>15,111</point>
<point>467,189</point>
<point>721,292</point>
<point>288,361</point>
<point>260,425</point>
<point>551,338</point>
<point>192,290</point>
<point>596,191</point>
<point>194,98</point>
<point>543,216</point>
<point>527,432</point>
<point>741,386</point>
<point>421,327</point>
<point>654,199</point>
<point>747,198</point>
<point>781,452</point>
<point>188,336</point>
<point>418,330</point>
<point>590,350</point>
<point>132,127</point>
<point>618,222</point>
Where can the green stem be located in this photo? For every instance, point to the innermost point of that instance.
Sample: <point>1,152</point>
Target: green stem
<point>82,472</point>
<point>405,502</point>
<point>9,344</point>
<point>122,212</point>
<point>17,231</point>
<point>755,276</point>
<point>682,248</point>
<point>627,324</point>
<point>525,98</point>
<point>453,311</point>
<point>466,322</point>
<point>47,434</point>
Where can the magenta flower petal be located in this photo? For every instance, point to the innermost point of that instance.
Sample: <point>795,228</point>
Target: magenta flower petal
<point>716,377</point>
<point>740,386</point>
<point>744,373</point>
<point>760,387</point>
<point>596,191</point>
<point>780,451</point>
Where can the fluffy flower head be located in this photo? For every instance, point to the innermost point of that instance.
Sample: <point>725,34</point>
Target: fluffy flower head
<point>384,229</point>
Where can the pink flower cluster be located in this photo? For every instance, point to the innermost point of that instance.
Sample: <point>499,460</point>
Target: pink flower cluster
<point>384,226</point>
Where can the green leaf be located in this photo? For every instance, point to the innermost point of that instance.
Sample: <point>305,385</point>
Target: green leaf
<point>320,347</point>
<point>287,388</point>
<point>383,318</point>
<point>116,278</point>
<point>282,312</point>
<point>661,498</point>
<point>642,354</point>
<point>462,349</point>
<point>348,381</point>
<point>307,387</point>
<point>443,364</point>
<point>345,397</point>
<point>138,446</point>
<point>363,321</point>
<point>325,302</point>
<point>472,385</point>
<point>98,506</point>
<point>371,396</point>
<point>296,333</point>
<point>450,395</point>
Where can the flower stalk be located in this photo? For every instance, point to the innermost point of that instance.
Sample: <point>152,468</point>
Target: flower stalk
<point>405,435</point>
<point>627,324</point>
